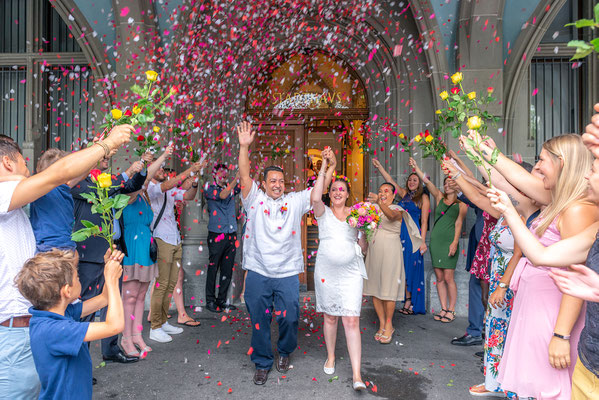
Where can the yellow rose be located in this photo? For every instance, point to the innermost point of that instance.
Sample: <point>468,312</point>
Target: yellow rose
<point>429,138</point>
<point>156,129</point>
<point>438,112</point>
<point>136,110</point>
<point>418,138</point>
<point>444,95</point>
<point>457,78</point>
<point>472,95</point>
<point>151,75</point>
<point>189,116</point>
<point>402,136</point>
<point>474,122</point>
<point>104,180</point>
<point>116,114</point>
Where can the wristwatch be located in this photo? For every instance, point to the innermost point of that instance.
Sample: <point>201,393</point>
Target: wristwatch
<point>565,337</point>
<point>503,285</point>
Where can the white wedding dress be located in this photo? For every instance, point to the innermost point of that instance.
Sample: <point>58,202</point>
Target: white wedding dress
<point>339,272</point>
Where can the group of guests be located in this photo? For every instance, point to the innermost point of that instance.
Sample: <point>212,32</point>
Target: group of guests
<point>52,287</point>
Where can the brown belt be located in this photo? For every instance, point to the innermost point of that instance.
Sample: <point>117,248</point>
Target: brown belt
<point>17,322</point>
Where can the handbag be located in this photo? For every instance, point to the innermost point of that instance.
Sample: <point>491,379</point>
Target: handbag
<point>153,244</point>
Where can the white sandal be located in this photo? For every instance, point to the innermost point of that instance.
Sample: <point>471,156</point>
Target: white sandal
<point>327,370</point>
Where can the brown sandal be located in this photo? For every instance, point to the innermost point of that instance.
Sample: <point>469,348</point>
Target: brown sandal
<point>445,319</point>
<point>438,317</point>
<point>387,339</point>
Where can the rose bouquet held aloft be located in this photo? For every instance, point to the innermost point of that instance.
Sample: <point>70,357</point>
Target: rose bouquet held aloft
<point>109,208</point>
<point>431,145</point>
<point>365,217</point>
<point>406,144</point>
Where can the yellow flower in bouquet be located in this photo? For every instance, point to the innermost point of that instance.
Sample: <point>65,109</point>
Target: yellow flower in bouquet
<point>151,75</point>
<point>438,112</point>
<point>136,110</point>
<point>116,113</point>
<point>189,117</point>
<point>156,129</point>
<point>457,78</point>
<point>474,122</point>
<point>402,136</point>
<point>429,138</point>
<point>104,180</point>
<point>418,138</point>
<point>444,95</point>
<point>472,95</point>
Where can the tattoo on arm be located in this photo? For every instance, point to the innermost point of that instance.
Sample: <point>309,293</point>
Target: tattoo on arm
<point>513,200</point>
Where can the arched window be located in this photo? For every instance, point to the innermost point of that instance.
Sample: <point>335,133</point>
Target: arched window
<point>46,86</point>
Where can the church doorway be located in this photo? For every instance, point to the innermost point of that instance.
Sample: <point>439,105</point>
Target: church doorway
<point>302,103</point>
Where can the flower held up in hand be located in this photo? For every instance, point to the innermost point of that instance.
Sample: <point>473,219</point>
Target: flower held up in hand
<point>457,78</point>
<point>104,180</point>
<point>474,122</point>
<point>151,75</point>
<point>444,95</point>
<point>116,113</point>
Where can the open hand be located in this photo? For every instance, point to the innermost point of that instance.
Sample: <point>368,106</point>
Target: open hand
<point>372,197</point>
<point>591,133</point>
<point>246,134</point>
<point>578,281</point>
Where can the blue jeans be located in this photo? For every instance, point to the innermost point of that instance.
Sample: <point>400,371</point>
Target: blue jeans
<point>18,377</point>
<point>261,293</point>
<point>476,310</point>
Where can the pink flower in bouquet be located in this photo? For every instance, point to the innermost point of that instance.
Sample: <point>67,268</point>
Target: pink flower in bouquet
<point>352,222</point>
<point>362,211</point>
<point>373,225</point>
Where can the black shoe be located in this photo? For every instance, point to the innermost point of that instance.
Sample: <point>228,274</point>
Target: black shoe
<point>283,363</point>
<point>224,306</point>
<point>260,376</point>
<point>120,357</point>
<point>467,340</point>
<point>480,354</point>
<point>94,381</point>
<point>211,306</point>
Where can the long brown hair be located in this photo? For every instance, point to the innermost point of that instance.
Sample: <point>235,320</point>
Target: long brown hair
<point>417,195</point>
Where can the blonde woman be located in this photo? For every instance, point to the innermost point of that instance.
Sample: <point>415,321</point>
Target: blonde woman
<point>546,325</point>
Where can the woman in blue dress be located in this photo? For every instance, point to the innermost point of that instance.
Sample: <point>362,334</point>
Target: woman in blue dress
<point>417,204</point>
<point>138,268</point>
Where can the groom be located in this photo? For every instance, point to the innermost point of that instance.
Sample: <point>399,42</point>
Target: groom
<point>272,254</point>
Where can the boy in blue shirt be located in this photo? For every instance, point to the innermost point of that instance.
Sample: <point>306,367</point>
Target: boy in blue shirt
<point>50,282</point>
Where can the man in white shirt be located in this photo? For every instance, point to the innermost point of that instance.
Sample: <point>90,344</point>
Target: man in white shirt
<point>163,193</point>
<point>18,377</point>
<point>273,256</point>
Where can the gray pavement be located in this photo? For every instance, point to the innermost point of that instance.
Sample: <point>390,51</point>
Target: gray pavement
<point>211,362</point>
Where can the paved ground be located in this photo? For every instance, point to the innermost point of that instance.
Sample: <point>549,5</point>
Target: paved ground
<point>211,362</point>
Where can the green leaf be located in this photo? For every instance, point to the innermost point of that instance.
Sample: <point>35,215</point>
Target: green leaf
<point>96,209</point>
<point>579,44</point>
<point>581,54</point>
<point>142,119</point>
<point>87,224</point>
<point>136,89</point>
<point>595,43</point>
<point>583,23</point>
<point>118,214</point>
<point>596,12</point>
<point>80,235</point>
<point>89,196</point>
<point>494,156</point>
<point>121,201</point>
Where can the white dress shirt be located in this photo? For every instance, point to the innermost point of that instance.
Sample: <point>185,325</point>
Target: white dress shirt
<point>273,237</point>
<point>167,229</point>
<point>17,245</point>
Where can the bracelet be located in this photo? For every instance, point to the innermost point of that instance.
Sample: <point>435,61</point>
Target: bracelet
<point>194,185</point>
<point>105,147</point>
<point>565,337</point>
<point>503,285</point>
<point>456,176</point>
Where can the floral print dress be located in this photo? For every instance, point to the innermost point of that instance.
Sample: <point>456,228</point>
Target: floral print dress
<point>480,263</point>
<point>497,320</point>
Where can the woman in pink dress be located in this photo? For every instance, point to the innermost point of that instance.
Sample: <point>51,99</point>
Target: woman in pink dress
<point>546,325</point>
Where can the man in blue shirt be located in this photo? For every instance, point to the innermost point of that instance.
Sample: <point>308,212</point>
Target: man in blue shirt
<point>222,236</point>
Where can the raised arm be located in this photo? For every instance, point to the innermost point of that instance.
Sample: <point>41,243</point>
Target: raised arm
<point>461,164</point>
<point>156,164</point>
<point>229,188</point>
<point>431,186</point>
<point>67,168</point>
<point>519,177</point>
<point>573,250</point>
<point>318,189</point>
<point>246,136</point>
<point>469,190</point>
<point>328,178</point>
<point>179,179</point>
<point>388,178</point>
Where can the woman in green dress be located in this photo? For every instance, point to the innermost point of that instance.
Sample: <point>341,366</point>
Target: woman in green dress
<point>444,244</point>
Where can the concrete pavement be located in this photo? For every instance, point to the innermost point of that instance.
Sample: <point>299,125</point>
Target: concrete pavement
<point>211,362</point>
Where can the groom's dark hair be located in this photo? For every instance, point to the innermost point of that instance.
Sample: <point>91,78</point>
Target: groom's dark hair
<point>272,168</point>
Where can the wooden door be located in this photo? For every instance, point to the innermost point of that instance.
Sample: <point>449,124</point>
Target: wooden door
<point>283,145</point>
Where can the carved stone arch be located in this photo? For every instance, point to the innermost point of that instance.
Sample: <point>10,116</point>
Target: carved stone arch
<point>83,33</point>
<point>517,67</point>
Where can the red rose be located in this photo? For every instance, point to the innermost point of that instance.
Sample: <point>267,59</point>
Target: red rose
<point>94,173</point>
<point>426,133</point>
<point>141,138</point>
<point>128,113</point>
<point>454,90</point>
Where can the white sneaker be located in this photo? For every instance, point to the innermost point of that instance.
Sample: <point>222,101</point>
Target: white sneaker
<point>159,335</point>
<point>171,330</point>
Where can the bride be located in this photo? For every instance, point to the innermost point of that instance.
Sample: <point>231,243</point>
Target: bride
<point>339,271</point>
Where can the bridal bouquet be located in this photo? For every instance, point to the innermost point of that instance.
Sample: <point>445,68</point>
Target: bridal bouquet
<point>365,217</point>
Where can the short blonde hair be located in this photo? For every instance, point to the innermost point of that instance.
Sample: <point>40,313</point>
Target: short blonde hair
<point>48,158</point>
<point>44,275</point>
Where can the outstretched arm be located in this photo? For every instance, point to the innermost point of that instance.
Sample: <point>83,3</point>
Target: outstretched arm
<point>578,280</point>
<point>328,178</point>
<point>67,168</point>
<point>565,252</point>
<point>318,190</point>
<point>431,186</point>
<point>246,136</point>
<point>388,178</point>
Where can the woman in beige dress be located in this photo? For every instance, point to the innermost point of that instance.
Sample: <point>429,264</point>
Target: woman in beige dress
<point>384,260</point>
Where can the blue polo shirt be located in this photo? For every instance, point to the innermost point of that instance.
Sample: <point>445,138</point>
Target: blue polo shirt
<point>52,219</point>
<point>222,212</point>
<point>61,356</point>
